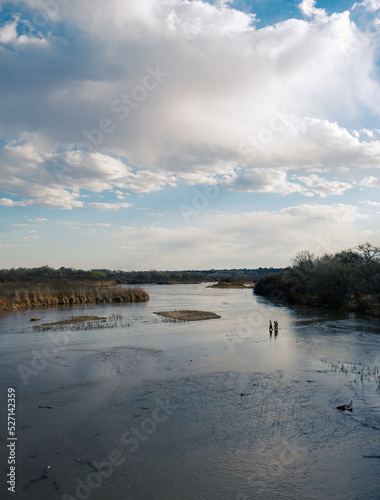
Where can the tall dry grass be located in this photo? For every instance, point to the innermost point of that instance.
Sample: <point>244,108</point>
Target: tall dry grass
<point>28,295</point>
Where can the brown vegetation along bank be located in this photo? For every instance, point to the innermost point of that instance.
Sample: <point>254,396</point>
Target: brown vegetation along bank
<point>28,295</point>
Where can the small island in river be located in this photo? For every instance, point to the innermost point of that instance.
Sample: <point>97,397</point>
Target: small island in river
<point>232,284</point>
<point>187,315</point>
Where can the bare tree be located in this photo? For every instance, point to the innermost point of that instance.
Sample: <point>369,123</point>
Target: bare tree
<point>369,252</point>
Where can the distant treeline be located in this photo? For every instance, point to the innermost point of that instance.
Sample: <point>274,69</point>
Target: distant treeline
<point>45,274</point>
<point>349,279</point>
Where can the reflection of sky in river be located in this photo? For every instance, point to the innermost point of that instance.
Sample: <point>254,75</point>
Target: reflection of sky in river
<point>238,341</point>
<point>256,413</point>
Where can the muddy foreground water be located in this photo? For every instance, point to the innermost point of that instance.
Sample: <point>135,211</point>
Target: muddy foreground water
<point>201,410</point>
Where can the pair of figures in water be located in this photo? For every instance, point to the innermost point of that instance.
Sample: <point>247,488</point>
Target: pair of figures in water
<point>273,327</point>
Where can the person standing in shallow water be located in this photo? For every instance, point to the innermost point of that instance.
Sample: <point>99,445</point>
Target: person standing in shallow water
<point>276,327</point>
<point>270,327</point>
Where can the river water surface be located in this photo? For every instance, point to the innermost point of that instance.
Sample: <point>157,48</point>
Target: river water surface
<point>215,409</point>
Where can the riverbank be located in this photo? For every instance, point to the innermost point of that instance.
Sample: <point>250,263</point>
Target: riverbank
<point>14,296</point>
<point>346,281</point>
<point>371,308</point>
<point>278,290</point>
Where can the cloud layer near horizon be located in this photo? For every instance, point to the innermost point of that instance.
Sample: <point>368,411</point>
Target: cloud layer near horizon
<point>137,96</point>
<point>253,239</point>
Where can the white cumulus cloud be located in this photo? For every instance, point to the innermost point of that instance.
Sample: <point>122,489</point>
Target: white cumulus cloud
<point>151,94</point>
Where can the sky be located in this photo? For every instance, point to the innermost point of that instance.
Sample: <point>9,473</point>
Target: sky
<point>176,134</point>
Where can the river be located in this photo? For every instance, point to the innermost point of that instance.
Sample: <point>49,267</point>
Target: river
<point>206,410</point>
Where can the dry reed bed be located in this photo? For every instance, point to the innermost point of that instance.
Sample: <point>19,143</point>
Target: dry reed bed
<point>85,322</point>
<point>24,296</point>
